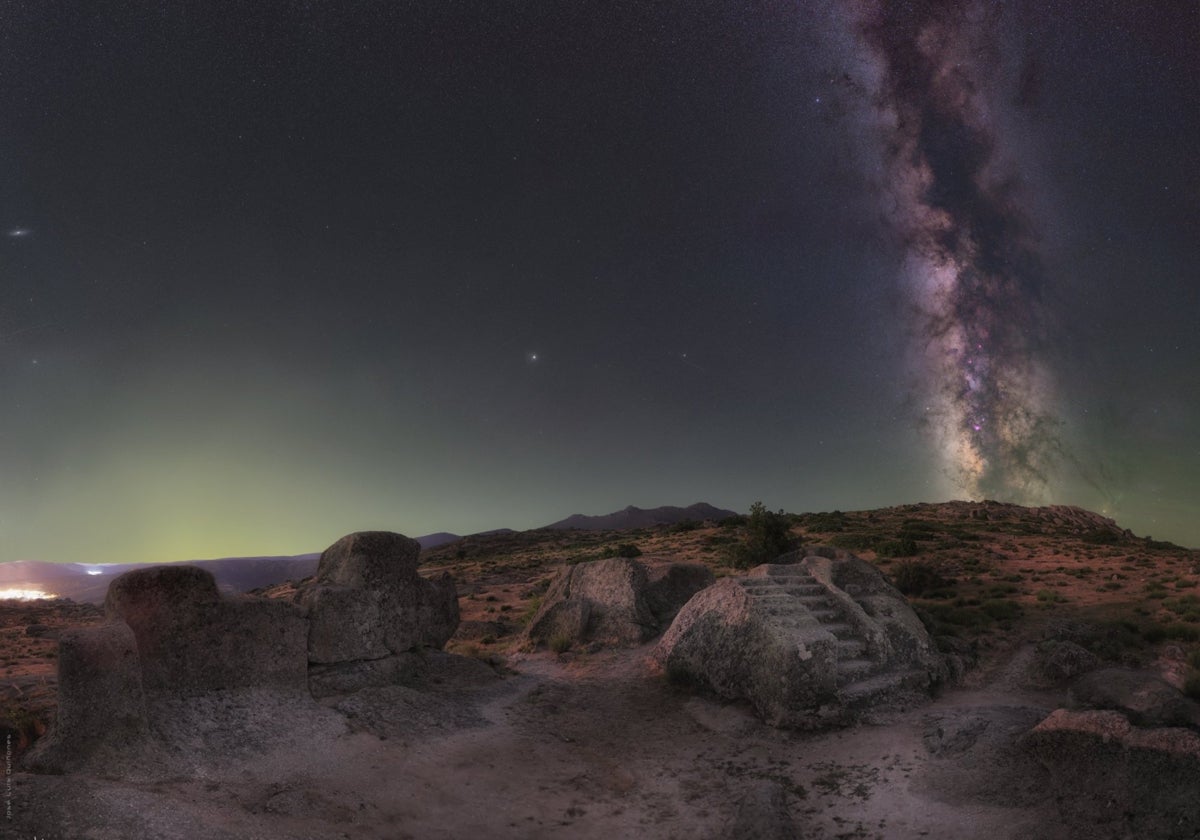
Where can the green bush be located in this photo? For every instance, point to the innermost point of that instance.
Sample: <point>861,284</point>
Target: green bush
<point>622,550</point>
<point>1175,632</point>
<point>1191,685</point>
<point>853,542</point>
<point>915,527</point>
<point>1183,632</point>
<point>1002,610</point>
<point>1154,634</point>
<point>918,577</point>
<point>535,604</point>
<point>903,547</point>
<point>1047,596</point>
<point>956,617</point>
<point>824,522</point>
<point>767,536</point>
<point>560,643</point>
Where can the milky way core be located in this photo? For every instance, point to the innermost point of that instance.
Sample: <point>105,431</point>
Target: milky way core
<point>952,191</point>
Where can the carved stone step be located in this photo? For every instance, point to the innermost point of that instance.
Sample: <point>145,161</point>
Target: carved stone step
<point>766,597</point>
<point>841,630</point>
<point>853,670</point>
<point>801,590</point>
<point>794,580</point>
<point>863,692</point>
<point>851,648</point>
<point>813,601</point>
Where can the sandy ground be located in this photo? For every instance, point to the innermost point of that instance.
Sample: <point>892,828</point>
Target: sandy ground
<point>593,746</point>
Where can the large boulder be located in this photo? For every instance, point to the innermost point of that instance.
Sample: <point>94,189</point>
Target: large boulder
<point>101,703</point>
<point>602,601</point>
<point>190,640</point>
<point>808,644</point>
<point>1146,699</point>
<point>615,601</point>
<point>367,601</point>
<point>1114,780</point>
<point>370,560</point>
<point>127,689</point>
<point>1058,661</point>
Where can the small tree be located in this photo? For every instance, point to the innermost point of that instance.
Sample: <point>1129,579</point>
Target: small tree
<point>767,535</point>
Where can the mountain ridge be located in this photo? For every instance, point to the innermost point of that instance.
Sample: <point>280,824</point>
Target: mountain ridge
<point>636,517</point>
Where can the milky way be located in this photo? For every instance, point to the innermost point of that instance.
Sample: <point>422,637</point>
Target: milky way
<point>973,277</point>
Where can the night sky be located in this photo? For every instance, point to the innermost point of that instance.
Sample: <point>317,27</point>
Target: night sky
<point>276,271</point>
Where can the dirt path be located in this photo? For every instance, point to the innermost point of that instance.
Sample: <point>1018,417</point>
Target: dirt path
<point>597,747</point>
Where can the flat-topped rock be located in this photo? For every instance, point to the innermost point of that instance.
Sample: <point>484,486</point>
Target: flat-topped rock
<point>190,640</point>
<point>809,644</point>
<point>367,601</point>
<point>147,596</point>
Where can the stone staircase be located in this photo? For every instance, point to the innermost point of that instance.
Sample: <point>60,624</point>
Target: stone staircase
<point>791,594</point>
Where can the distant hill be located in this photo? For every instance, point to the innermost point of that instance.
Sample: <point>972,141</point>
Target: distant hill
<point>440,538</point>
<point>635,517</point>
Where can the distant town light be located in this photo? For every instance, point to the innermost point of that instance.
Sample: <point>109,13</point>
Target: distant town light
<point>24,594</point>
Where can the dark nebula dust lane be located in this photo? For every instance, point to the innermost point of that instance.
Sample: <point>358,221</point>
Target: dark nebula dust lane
<point>953,193</point>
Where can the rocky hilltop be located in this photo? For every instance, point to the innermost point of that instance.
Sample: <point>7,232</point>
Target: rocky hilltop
<point>966,669</point>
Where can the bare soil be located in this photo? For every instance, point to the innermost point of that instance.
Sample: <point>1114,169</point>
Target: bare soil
<point>592,746</point>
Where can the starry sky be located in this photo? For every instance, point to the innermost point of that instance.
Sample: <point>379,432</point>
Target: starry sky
<point>283,270</point>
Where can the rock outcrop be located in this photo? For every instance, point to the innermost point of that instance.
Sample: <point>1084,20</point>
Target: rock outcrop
<point>179,670</point>
<point>1114,780</point>
<point>190,640</point>
<point>1145,699</point>
<point>616,601</point>
<point>809,644</point>
<point>368,609</point>
<point>101,701</point>
<point>1057,661</point>
<point>125,688</point>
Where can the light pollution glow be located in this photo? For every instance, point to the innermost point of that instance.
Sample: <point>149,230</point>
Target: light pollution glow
<point>25,595</point>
